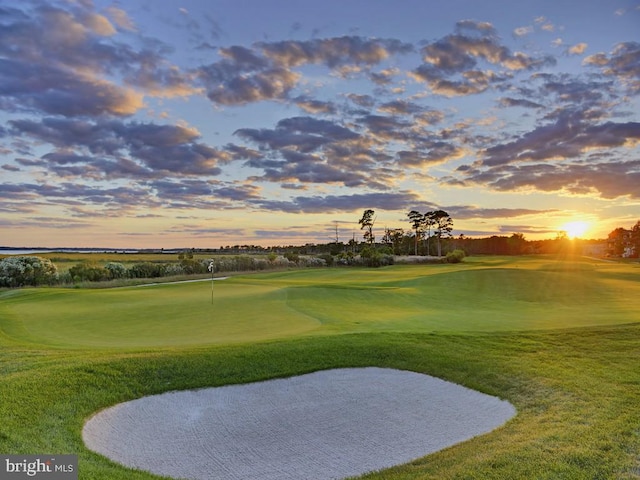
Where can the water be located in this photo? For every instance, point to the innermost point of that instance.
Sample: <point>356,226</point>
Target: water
<point>34,251</point>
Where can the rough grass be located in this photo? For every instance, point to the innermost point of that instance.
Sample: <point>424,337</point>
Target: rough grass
<point>577,390</point>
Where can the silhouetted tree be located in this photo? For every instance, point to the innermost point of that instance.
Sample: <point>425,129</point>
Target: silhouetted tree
<point>417,222</point>
<point>429,222</point>
<point>393,238</point>
<point>617,241</point>
<point>635,239</point>
<point>444,226</point>
<point>516,244</point>
<point>366,224</point>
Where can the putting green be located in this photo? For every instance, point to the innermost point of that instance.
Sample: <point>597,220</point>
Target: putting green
<point>161,315</point>
<point>477,296</point>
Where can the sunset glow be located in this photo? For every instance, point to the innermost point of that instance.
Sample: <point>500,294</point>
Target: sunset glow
<point>575,229</point>
<point>201,124</point>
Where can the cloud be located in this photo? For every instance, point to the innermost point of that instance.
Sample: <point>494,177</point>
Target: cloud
<point>73,194</point>
<point>362,131</point>
<point>612,179</point>
<point>302,134</point>
<point>400,107</point>
<point>333,52</point>
<point>313,106</point>
<point>622,63</point>
<point>120,18</point>
<point>577,49</point>
<point>271,84</point>
<point>522,31</point>
<point>237,193</point>
<point>366,101</point>
<point>519,102</point>
<point>464,212</point>
<point>41,88</point>
<point>430,153</point>
<point>569,137</point>
<point>525,229</point>
<point>451,67</point>
<point>342,203</point>
<point>99,146</point>
<point>386,127</point>
<point>69,61</point>
<point>266,71</point>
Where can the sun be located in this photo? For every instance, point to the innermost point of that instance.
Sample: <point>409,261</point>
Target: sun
<point>575,229</point>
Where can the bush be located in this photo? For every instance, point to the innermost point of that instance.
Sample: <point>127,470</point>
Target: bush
<point>115,270</point>
<point>312,262</point>
<point>455,256</point>
<point>328,259</point>
<point>88,272</point>
<point>21,271</point>
<point>292,257</point>
<point>147,270</point>
<point>372,257</point>
<point>346,258</point>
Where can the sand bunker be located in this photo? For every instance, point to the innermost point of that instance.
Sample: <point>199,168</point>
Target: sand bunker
<point>325,425</point>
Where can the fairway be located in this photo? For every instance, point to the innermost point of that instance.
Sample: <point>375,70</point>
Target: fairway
<point>558,338</point>
<point>477,296</point>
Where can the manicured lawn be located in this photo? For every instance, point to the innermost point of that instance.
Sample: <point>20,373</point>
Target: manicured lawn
<point>559,339</point>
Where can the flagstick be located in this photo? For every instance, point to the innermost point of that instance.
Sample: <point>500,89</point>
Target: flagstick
<point>211,269</point>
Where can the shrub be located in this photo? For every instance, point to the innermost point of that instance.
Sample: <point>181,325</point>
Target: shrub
<point>328,259</point>
<point>173,269</point>
<point>115,270</point>
<point>147,270</point>
<point>292,257</point>
<point>88,272</point>
<point>22,270</point>
<point>372,257</point>
<point>312,262</point>
<point>455,256</point>
<point>346,258</point>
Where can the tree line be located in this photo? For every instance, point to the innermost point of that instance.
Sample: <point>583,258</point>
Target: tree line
<point>433,225</point>
<point>623,242</point>
<point>430,236</point>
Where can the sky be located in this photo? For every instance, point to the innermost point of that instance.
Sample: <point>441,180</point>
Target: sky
<point>207,123</point>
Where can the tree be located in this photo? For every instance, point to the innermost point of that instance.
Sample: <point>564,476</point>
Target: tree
<point>393,238</point>
<point>397,235</point>
<point>429,221</point>
<point>417,222</point>
<point>635,239</point>
<point>366,224</point>
<point>516,243</point>
<point>444,225</point>
<point>617,241</point>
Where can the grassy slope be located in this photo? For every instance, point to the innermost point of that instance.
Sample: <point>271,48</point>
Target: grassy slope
<point>577,390</point>
<point>512,295</point>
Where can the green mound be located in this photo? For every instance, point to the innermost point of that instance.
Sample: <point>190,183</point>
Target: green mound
<point>495,299</point>
<point>476,297</point>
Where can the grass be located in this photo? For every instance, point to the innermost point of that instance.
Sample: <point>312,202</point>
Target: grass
<point>573,375</point>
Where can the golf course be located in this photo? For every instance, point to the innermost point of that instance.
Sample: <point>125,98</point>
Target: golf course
<point>557,337</point>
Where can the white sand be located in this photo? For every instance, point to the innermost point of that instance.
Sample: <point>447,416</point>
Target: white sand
<point>325,425</point>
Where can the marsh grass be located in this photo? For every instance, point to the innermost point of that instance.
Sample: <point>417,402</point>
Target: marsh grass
<point>577,390</point>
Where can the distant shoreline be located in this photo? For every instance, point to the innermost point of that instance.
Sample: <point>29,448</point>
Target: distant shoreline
<point>29,251</point>
<point>34,250</point>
